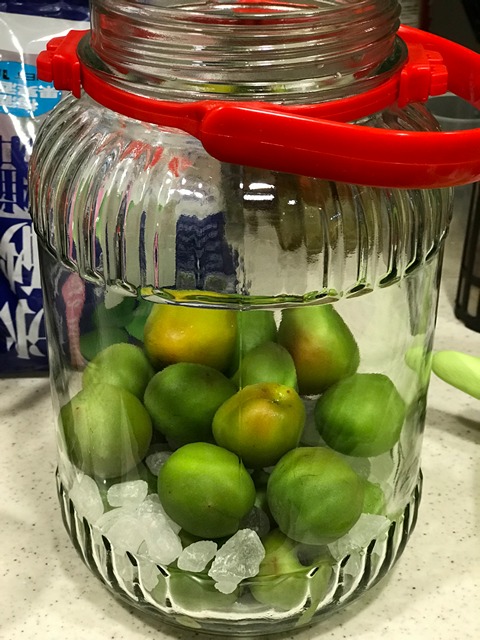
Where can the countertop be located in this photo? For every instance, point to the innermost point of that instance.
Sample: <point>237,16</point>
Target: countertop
<point>433,592</point>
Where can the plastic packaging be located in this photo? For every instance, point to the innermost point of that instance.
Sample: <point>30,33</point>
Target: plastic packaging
<point>25,100</point>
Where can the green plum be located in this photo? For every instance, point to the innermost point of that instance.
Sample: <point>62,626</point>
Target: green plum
<point>254,327</point>
<point>117,316</point>
<point>123,365</point>
<point>136,325</point>
<point>182,400</point>
<point>107,430</point>
<point>321,345</point>
<point>260,423</point>
<point>283,582</point>
<point>314,496</point>
<point>206,490</point>
<point>361,415</point>
<point>93,342</point>
<point>269,362</point>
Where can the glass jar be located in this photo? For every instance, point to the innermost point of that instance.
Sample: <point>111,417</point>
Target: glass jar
<point>239,357</point>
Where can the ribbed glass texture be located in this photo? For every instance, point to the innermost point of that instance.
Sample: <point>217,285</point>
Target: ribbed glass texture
<point>123,190</point>
<point>130,577</point>
<point>136,222</point>
<point>276,51</point>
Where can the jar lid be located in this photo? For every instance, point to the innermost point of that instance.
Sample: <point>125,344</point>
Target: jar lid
<point>313,140</point>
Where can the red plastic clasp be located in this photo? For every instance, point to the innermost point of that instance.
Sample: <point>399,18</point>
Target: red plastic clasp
<point>59,63</point>
<point>424,75</point>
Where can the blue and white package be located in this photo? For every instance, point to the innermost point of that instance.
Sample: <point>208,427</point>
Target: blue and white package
<point>24,101</point>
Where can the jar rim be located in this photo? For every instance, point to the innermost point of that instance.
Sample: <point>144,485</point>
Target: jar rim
<point>290,52</point>
<point>243,11</point>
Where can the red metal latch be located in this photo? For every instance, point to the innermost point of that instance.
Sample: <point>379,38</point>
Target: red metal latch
<point>59,63</point>
<point>425,74</point>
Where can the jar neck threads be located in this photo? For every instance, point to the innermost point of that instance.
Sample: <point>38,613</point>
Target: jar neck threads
<point>278,51</point>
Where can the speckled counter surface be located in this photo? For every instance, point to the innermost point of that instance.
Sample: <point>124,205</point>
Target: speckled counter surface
<point>433,593</point>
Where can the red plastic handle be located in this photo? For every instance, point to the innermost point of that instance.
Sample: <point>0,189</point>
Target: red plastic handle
<point>316,140</point>
<point>341,152</point>
<point>351,153</point>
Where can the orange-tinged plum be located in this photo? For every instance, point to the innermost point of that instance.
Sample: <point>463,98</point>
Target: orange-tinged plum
<point>321,345</point>
<point>260,423</point>
<point>176,333</point>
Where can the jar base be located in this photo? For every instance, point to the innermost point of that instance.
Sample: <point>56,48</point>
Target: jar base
<point>190,600</point>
